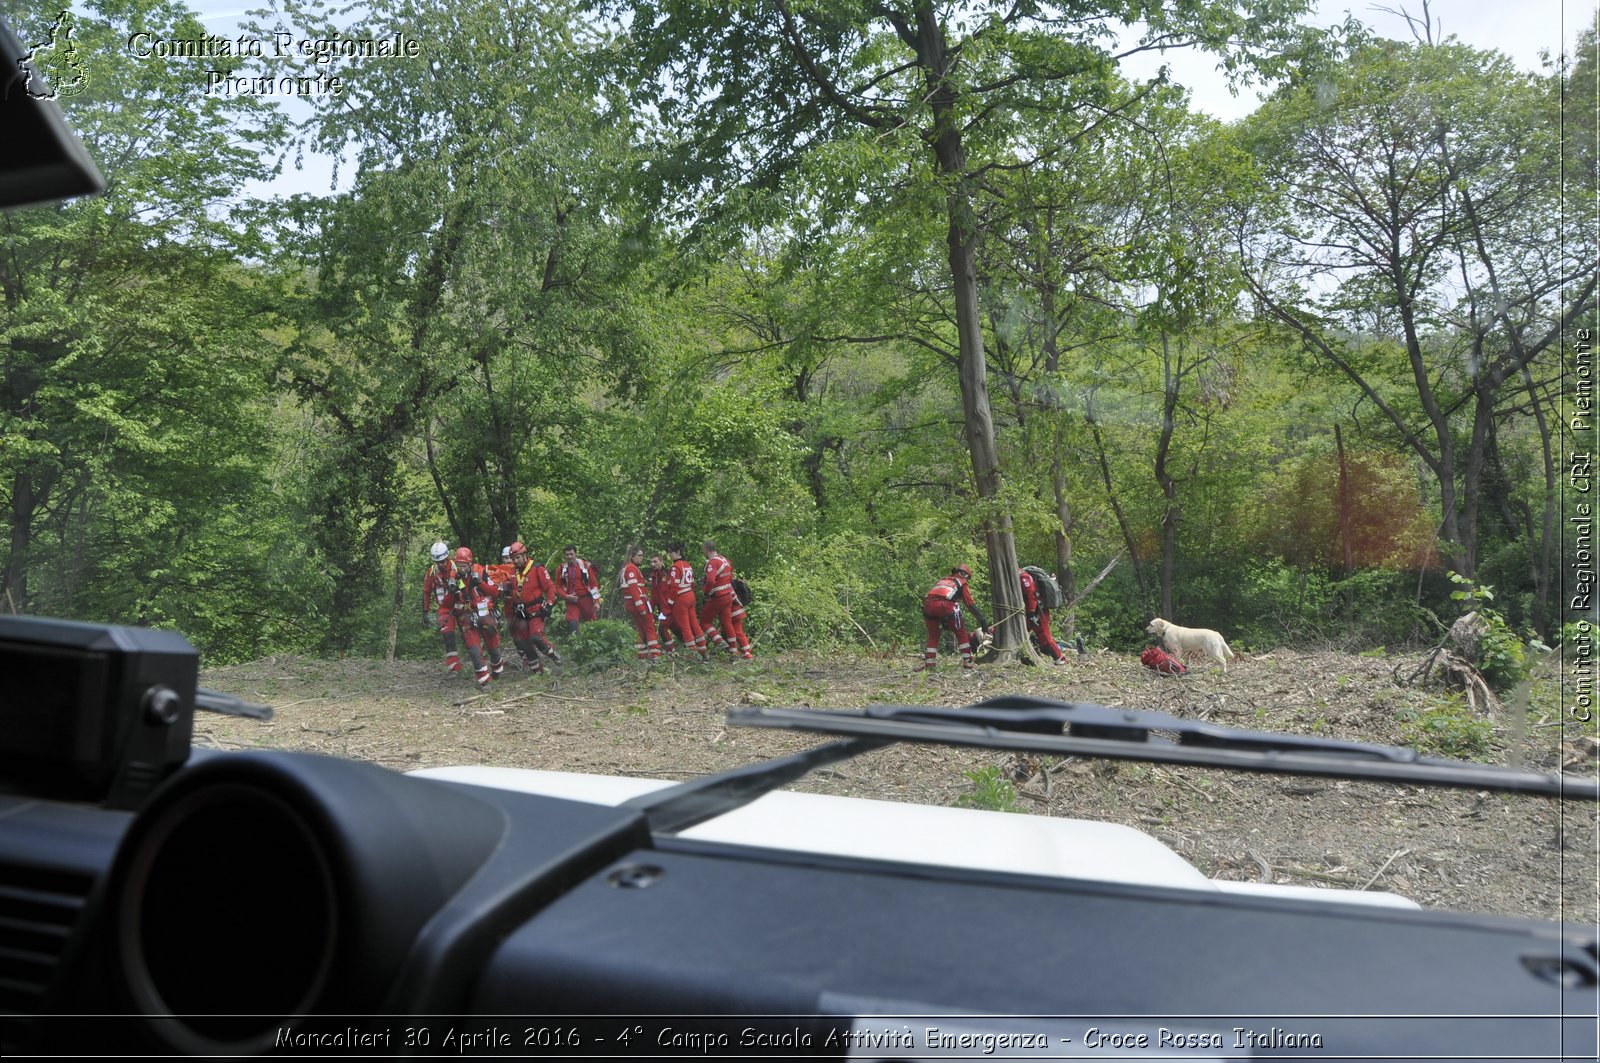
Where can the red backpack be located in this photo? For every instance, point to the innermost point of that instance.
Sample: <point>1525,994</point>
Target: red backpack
<point>1159,660</point>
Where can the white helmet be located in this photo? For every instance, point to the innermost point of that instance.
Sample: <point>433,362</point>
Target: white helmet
<point>505,554</point>
<point>440,552</point>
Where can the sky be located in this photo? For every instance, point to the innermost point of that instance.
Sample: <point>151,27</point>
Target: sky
<point>1521,30</point>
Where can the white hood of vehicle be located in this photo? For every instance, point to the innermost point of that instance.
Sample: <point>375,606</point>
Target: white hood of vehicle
<point>917,834</point>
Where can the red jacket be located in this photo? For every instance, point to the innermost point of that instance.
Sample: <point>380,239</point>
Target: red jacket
<point>680,582</point>
<point>435,587</point>
<point>635,595</point>
<point>660,589</point>
<point>577,577</point>
<point>471,594</point>
<point>719,577</point>
<point>1030,593</point>
<point>953,589</point>
<point>530,588</point>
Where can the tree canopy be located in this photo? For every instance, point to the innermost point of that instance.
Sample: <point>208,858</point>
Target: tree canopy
<point>861,291</point>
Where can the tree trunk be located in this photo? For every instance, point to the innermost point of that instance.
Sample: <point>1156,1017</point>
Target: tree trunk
<point>1344,522</point>
<point>399,589</point>
<point>1004,582</point>
<point>1063,532</point>
<point>23,505</point>
<point>1116,510</point>
<point>1541,557</point>
<point>1171,381</point>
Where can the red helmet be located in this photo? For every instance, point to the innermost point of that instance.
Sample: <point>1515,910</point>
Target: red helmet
<point>961,570</point>
<point>463,555</point>
<point>518,548</point>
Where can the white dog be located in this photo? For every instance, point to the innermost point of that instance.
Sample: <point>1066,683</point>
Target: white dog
<point>1182,640</point>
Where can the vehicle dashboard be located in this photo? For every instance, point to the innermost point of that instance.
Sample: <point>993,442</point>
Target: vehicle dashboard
<point>275,901</point>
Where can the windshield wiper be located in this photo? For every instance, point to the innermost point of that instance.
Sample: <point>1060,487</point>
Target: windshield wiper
<point>680,807</point>
<point>1041,725</point>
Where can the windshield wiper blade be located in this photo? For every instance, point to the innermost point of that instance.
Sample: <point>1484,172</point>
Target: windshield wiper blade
<point>1041,725</point>
<point>228,705</point>
<point>680,807</point>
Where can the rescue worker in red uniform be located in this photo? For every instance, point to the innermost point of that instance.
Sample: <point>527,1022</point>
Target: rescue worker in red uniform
<point>1039,620</point>
<point>659,581</point>
<point>636,603</point>
<point>720,607</point>
<point>435,612</point>
<point>680,601</point>
<point>528,596</point>
<point>471,597</point>
<point>941,610</point>
<point>579,587</point>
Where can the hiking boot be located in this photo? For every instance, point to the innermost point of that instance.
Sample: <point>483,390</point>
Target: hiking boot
<point>969,663</point>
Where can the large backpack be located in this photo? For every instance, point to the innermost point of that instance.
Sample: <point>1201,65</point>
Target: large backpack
<point>742,591</point>
<point>1045,584</point>
<point>1157,660</point>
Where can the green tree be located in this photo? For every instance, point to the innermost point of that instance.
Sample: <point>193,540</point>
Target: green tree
<point>1419,252</point>
<point>747,89</point>
<point>133,395</point>
<point>471,305</point>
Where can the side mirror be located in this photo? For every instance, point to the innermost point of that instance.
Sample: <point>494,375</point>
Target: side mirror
<point>43,160</point>
<point>93,712</point>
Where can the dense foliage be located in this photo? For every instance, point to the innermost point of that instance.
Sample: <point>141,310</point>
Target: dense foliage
<point>637,272</point>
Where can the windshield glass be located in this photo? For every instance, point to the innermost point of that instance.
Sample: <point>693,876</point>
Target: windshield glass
<point>526,385</point>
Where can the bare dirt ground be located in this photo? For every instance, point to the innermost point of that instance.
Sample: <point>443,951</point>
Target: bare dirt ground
<point>1446,849</point>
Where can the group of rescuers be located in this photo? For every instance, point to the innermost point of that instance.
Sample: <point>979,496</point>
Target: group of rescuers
<point>459,594</point>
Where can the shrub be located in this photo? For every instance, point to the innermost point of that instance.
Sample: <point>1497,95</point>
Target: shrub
<point>1449,729</point>
<point>847,584</point>
<point>1502,657</point>
<point>600,644</point>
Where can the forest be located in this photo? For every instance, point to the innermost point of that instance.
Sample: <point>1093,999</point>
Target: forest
<point>860,290</point>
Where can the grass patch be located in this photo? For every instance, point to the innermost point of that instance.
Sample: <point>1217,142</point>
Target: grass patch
<point>991,790</point>
<point>1447,728</point>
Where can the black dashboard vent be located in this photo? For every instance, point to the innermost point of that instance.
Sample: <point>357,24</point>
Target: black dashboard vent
<point>38,909</point>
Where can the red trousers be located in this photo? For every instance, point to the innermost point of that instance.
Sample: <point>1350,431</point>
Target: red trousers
<point>1040,630</point>
<point>477,631</point>
<point>941,614</point>
<point>582,611</point>
<point>644,625</point>
<point>723,610</point>
<point>687,624</point>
